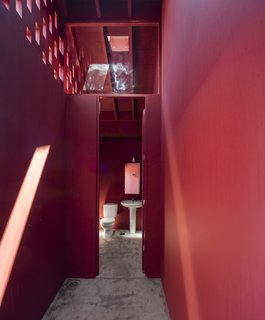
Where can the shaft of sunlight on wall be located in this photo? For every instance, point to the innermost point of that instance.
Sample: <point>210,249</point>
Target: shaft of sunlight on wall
<point>18,218</point>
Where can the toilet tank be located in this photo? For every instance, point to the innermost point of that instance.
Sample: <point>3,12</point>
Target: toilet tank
<point>110,210</point>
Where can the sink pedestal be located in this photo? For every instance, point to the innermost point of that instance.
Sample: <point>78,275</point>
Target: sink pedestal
<point>132,220</point>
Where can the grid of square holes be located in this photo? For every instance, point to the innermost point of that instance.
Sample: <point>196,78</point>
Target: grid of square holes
<point>75,68</point>
<point>41,30</point>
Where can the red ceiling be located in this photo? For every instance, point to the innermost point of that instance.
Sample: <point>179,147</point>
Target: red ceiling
<point>94,10</point>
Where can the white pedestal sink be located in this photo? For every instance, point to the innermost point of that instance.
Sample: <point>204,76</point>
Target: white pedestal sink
<point>132,205</point>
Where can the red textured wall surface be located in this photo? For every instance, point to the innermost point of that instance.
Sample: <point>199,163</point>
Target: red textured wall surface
<point>31,115</point>
<point>114,153</point>
<point>213,93</point>
<point>152,209</point>
<point>82,185</point>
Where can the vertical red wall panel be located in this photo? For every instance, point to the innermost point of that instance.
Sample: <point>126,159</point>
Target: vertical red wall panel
<point>114,153</point>
<point>213,93</point>
<point>152,210</point>
<point>31,115</point>
<point>82,171</point>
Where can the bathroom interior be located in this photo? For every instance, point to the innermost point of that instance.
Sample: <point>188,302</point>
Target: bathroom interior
<point>120,180</point>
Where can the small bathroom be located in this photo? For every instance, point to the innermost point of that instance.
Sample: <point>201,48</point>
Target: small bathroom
<point>120,197</point>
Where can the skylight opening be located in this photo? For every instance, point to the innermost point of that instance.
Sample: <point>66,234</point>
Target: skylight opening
<point>55,49</point>
<point>73,71</point>
<point>61,73</point>
<point>38,4</point>
<point>67,59</point>
<point>67,84</point>
<point>43,57</point>
<point>28,35</point>
<point>119,43</point>
<point>37,33</point>
<point>19,7</point>
<point>50,55</point>
<point>55,74</point>
<point>50,24</point>
<point>55,20</point>
<point>61,45</point>
<point>75,86</point>
<point>29,5</point>
<point>44,28</point>
<point>6,3</point>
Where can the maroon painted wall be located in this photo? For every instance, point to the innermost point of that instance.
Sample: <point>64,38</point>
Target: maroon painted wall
<point>213,93</point>
<point>114,153</point>
<point>31,113</point>
<point>82,185</point>
<point>152,209</point>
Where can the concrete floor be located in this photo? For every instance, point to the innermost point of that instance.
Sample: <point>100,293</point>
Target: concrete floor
<point>120,292</point>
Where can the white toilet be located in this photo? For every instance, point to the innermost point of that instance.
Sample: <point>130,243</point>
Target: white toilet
<point>109,215</point>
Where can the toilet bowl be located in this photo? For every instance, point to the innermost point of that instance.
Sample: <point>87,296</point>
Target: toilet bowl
<point>108,220</point>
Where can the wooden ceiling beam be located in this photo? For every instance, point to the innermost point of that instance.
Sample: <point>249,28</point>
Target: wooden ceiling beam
<point>98,8</point>
<point>115,108</point>
<point>129,23</point>
<point>129,8</point>
<point>133,109</point>
<point>136,108</point>
<point>78,53</point>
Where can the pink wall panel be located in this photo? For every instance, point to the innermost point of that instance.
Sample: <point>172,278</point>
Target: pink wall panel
<point>214,158</point>
<point>31,115</point>
<point>82,166</point>
<point>114,153</point>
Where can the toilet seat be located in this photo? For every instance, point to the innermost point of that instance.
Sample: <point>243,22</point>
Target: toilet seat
<point>107,220</point>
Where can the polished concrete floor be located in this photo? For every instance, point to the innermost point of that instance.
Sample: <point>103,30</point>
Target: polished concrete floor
<point>120,292</point>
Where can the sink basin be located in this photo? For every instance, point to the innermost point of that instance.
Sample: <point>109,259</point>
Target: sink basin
<point>132,205</point>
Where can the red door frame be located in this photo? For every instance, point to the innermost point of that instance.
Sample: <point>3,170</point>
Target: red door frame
<point>151,183</point>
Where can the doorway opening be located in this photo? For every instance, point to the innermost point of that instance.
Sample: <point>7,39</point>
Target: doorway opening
<point>120,186</point>
<point>118,63</point>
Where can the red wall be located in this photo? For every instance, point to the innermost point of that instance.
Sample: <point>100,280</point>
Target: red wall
<point>152,209</point>
<point>213,85</point>
<point>82,185</point>
<point>114,153</point>
<point>31,113</point>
